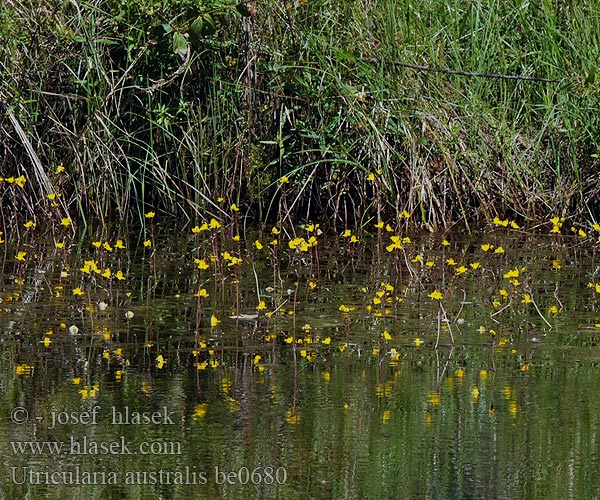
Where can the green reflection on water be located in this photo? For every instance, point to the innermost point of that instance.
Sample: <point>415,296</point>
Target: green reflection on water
<point>330,410</point>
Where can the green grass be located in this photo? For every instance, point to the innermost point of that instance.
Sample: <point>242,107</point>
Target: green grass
<point>172,105</point>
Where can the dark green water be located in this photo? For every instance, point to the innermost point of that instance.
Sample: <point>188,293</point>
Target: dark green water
<point>334,411</point>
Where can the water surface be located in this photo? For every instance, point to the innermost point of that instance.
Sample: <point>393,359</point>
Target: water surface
<point>146,390</point>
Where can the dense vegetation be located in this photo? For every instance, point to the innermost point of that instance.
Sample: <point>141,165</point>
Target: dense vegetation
<point>173,104</point>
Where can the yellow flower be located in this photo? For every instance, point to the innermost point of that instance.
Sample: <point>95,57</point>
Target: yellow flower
<point>214,321</point>
<point>499,222</point>
<point>258,245</point>
<point>499,250</point>
<point>233,260</point>
<point>107,246</point>
<point>59,169</point>
<point>556,264</point>
<point>461,270</point>
<point>21,256</point>
<point>119,244</point>
<point>527,299</point>
<point>445,243</point>
<point>451,262</point>
<point>386,335</point>
<point>149,215</point>
<point>396,243</point>
<point>379,225</point>
<point>97,244</point>
<point>514,225</point>
<point>24,369</point>
<point>553,309</point>
<point>147,243</point>
<point>234,207</point>
<point>261,305</point>
<point>201,264</point>
<point>160,361</point>
<point>474,265</point>
<point>513,273</point>
<point>326,341</point>
<point>371,177</point>
<point>20,181</point>
<point>29,224</point>
<point>106,273</point>
<point>214,224</point>
<point>347,233</point>
<point>284,179</point>
<point>66,221</point>
<point>436,295</point>
<point>486,246</point>
<point>77,291</point>
<point>275,231</point>
<point>344,309</point>
<point>120,275</point>
<point>292,416</point>
<point>434,398</point>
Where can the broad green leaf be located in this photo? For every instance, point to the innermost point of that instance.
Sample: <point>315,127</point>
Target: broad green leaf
<point>196,27</point>
<point>180,44</point>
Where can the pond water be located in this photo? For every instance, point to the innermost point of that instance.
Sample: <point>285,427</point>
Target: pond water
<point>367,369</point>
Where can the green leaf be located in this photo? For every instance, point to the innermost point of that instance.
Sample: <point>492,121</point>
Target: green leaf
<point>196,28</point>
<point>180,44</point>
<point>210,26</point>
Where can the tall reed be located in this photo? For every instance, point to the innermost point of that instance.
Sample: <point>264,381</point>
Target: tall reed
<point>174,105</point>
